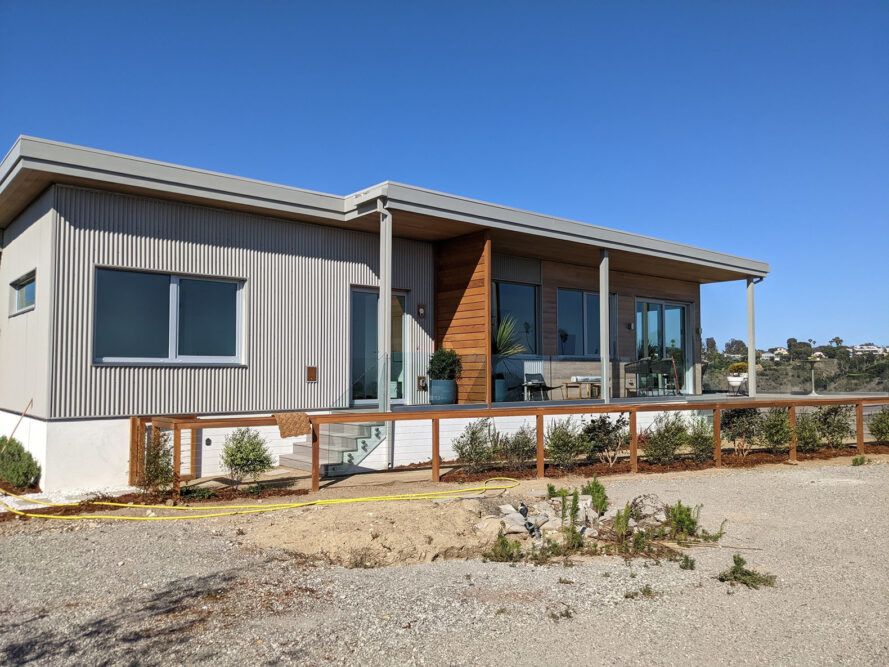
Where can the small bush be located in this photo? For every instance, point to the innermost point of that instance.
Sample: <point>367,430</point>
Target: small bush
<point>738,573</point>
<point>860,461</point>
<point>473,447</point>
<point>518,448</point>
<point>808,437</point>
<point>737,368</point>
<point>444,364</point>
<point>743,427</point>
<point>682,520</point>
<point>504,550</point>
<point>596,491</point>
<point>687,563</point>
<point>776,430</point>
<point>157,475</point>
<point>17,467</point>
<point>834,424</point>
<point>878,424</point>
<point>606,438</point>
<point>564,442</point>
<point>700,440</point>
<point>665,438</point>
<point>245,454</point>
<point>551,491</point>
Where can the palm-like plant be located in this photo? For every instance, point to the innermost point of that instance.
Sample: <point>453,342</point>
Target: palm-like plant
<point>506,341</point>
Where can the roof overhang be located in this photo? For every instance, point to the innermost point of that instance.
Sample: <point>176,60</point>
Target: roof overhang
<point>34,164</point>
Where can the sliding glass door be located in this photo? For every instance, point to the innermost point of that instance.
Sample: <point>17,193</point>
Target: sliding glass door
<point>662,333</point>
<point>364,346</point>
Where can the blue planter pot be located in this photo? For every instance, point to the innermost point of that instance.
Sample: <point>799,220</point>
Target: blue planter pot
<point>442,392</point>
<point>500,390</point>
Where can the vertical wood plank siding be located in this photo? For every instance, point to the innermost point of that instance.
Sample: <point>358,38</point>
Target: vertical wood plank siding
<point>298,280</point>
<point>462,310</point>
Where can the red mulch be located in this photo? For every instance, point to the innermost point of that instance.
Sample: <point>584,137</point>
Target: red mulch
<point>224,494</point>
<point>729,460</point>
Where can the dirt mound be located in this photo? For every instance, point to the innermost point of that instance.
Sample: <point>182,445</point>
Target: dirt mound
<point>383,533</point>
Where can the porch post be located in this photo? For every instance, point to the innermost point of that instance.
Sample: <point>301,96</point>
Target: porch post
<point>751,340</point>
<point>384,321</point>
<point>604,327</point>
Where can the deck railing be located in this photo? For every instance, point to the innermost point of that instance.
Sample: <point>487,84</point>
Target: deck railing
<point>194,423</point>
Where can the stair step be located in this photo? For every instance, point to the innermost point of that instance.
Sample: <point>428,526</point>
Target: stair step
<point>359,430</point>
<point>303,457</point>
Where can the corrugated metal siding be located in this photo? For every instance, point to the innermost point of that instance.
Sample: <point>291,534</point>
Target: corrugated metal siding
<point>516,269</point>
<point>296,304</point>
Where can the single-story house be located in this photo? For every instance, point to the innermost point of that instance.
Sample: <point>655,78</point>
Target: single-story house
<point>138,287</point>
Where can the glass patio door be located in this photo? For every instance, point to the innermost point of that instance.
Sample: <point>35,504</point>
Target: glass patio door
<point>364,346</point>
<point>662,333</point>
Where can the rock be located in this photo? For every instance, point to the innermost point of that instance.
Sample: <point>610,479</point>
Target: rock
<point>506,509</point>
<point>631,523</point>
<point>585,502</point>
<point>489,527</point>
<point>514,519</point>
<point>472,505</point>
<point>552,525</point>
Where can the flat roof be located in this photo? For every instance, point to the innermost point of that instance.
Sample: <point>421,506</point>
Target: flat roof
<point>33,164</point>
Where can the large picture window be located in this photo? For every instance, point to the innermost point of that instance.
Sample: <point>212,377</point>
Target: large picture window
<point>519,301</point>
<point>578,323</point>
<point>163,318</point>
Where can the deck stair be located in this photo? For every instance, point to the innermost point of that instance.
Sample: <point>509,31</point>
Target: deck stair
<point>343,447</point>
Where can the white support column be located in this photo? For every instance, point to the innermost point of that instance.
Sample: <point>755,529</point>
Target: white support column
<point>384,309</point>
<point>605,327</point>
<point>751,339</point>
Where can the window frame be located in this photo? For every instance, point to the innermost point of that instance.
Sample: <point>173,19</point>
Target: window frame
<point>16,286</point>
<point>173,358</point>
<point>613,304</point>
<point>495,297</point>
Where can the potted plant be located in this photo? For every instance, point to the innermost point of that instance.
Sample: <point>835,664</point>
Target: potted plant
<point>444,369</point>
<point>737,375</point>
<point>505,344</point>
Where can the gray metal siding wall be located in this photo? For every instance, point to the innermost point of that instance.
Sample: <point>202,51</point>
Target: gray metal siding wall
<point>296,304</point>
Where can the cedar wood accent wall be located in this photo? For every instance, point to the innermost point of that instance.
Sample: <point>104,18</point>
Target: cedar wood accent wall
<point>463,308</point>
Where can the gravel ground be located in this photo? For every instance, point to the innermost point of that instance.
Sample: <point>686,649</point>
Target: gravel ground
<point>135,593</point>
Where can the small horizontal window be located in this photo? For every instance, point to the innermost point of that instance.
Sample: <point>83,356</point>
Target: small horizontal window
<point>160,318</point>
<point>24,293</point>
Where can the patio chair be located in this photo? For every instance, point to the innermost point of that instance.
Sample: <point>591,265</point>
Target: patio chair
<point>535,382</point>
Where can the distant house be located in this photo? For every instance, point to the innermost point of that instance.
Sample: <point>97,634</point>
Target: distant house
<point>781,352</point>
<point>767,356</point>
<point>869,348</point>
<point>818,355</point>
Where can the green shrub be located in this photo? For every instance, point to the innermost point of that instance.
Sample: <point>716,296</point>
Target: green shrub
<point>551,491</point>
<point>738,573</point>
<point>17,467</point>
<point>504,550</point>
<point>687,563</point>
<point>473,447</point>
<point>157,474</point>
<point>665,438</point>
<point>606,437</point>
<point>776,429</point>
<point>808,437</point>
<point>245,454</point>
<point>878,424</point>
<point>737,368</point>
<point>682,520</point>
<point>564,442</point>
<point>518,448</point>
<point>700,439</point>
<point>834,424</point>
<point>743,427</point>
<point>860,461</point>
<point>444,364</point>
<point>596,491</point>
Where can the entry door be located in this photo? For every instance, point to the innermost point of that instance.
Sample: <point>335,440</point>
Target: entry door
<point>662,332</point>
<point>365,354</point>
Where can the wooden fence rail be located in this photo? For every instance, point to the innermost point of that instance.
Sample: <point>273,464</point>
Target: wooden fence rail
<point>194,423</point>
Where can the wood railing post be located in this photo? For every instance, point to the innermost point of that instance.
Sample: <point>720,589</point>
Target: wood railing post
<point>436,460</point>
<point>177,459</point>
<point>541,453</point>
<point>717,436</point>
<point>859,426</point>
<point>634,443</point>
<point>791,420</point>
<point>195,451</point>
<point>316,456</point>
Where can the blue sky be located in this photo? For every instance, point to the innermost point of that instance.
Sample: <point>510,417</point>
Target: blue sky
<point>760,129</point>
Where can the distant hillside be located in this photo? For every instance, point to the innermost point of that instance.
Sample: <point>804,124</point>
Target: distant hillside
<point>831,375</point>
